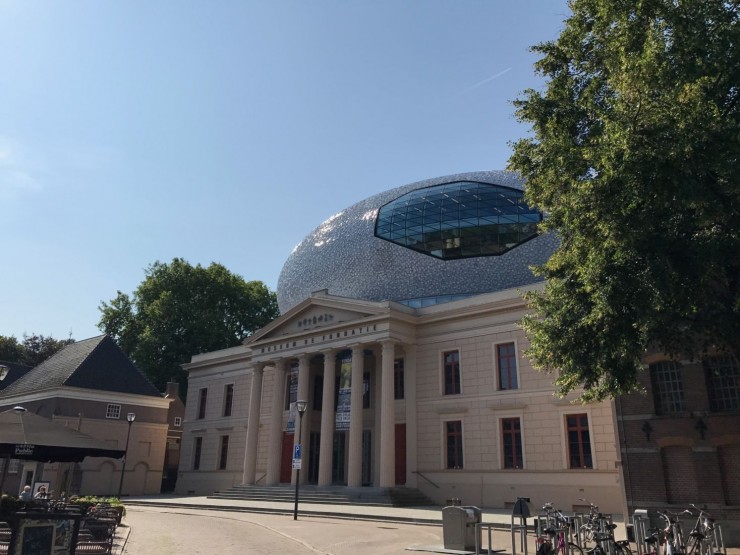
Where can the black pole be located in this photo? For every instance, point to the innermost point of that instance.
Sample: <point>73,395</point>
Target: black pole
<point>298,470</point>
<point>125,456</point>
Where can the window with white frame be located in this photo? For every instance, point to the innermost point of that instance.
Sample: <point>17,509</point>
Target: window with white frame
<point>113,411</point>
<point>667,387</point>
<point>178,422</point>
<point>723,383</point>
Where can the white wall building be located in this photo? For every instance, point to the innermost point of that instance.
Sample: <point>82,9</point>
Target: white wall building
<point>400,330</point>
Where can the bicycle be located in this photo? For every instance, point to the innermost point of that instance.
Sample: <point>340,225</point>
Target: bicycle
<point>673,533</point>
<point>556,528</point>
<point>598,529</point>
<point>703,538</point>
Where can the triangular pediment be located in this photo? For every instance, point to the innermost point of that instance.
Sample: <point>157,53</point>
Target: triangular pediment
<point>316,312</point>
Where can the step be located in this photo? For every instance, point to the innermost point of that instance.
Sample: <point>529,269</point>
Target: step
<point>333,495</point>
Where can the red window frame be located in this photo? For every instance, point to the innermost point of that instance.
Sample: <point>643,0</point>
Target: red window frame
<point>454,444</point>
<point>228,399</point>
<point>579,441</point>
<point>511,442</point>
<point>224,453</point>
<point>197,449</point>
<point>506,363</point>
<point>451,361</point>
<point>202,400</point>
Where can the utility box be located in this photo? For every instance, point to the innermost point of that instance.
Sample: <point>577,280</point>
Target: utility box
<point>459,527</point>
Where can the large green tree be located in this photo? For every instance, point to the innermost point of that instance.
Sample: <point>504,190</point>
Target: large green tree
<point>33,350</point>
<point>635,158</point>
<point>180,310</point>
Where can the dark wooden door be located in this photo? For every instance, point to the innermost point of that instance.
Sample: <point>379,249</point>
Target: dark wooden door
<point>400,454</point>
<point>286,459</point>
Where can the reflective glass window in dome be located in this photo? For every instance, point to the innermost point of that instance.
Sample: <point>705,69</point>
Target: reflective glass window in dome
<point>458,220</point>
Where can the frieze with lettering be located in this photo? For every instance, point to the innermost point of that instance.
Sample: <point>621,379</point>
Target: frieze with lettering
<point>315,320</point>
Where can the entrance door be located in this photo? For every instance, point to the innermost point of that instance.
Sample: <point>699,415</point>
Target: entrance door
<point>339,450</point>
<point>367,458</point>
<point>400,454</point>
<point>314,441</point>
<point>286,459</point>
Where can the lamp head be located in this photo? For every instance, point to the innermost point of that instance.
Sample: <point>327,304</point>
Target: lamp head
<point>131,417</point>
<point>301,406</point>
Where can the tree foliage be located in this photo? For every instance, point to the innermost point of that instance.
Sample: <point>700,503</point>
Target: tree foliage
<point>180,310</point>
<point>33,350</point>
<point>634,159</point>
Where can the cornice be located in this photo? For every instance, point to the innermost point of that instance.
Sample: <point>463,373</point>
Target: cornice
<point>81,394</point>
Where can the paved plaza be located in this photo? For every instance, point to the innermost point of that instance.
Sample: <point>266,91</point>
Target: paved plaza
<point>192,525</point>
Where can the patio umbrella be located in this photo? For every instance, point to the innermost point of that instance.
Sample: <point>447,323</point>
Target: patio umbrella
<point>28,436</point>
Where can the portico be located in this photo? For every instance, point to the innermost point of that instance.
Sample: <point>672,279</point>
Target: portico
<point>351,367</point>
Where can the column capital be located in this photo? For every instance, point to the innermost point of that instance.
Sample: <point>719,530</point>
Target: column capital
<point>303,358</point>
<point>327,352</point>
<point>258,367</point>
<point>280,363</point>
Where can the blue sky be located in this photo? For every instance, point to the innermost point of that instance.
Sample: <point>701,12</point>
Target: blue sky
<point>226,131</point>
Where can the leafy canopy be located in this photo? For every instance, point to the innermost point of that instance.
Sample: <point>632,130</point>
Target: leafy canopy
<point>33,350</point>
<point>180,310</point>
<point>634,159</point>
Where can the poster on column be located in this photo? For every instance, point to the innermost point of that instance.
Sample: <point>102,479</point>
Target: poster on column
<point>293,396</point>
<point>345,390</point>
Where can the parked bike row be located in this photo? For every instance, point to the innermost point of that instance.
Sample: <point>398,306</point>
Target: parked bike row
<point>592,533</point>
<point>705,537</point>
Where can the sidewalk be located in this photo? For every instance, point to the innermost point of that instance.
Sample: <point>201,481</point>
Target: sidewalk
<point>500,518</point>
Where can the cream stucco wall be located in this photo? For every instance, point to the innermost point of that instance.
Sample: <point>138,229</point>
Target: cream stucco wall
<point>473,327</point>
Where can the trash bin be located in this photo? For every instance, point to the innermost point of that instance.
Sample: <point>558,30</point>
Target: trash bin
<point>459,527</point>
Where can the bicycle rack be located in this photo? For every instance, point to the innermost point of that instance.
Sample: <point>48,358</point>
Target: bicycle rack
<point>489,526</point>
<point>522,513</point>
<point>640,525</point>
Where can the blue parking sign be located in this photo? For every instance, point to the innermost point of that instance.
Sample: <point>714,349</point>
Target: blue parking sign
<point>297,451</point>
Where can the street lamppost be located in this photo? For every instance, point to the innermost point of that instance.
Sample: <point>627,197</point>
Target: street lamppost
<point>130,417</point>
<point>300,406</point>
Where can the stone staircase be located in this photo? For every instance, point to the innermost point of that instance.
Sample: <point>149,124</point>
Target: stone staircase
<point>330,495</point>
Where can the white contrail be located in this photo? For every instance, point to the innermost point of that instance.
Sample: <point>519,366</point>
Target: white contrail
<point>499,74</point>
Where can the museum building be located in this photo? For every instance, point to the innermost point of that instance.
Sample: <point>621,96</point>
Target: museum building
<point>399,327</point>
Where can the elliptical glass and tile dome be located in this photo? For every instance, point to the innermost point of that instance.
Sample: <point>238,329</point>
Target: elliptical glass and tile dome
<point>429,242</point>
<point>459,220</point>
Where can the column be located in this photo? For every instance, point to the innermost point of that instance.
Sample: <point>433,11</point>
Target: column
<point>275,450</point>
<point>409,383</point>
<point>387,418</point>
<point>327,418</point>
<point>377,383</point>
<point>354,471</point>
<point>253,426</point>
<point>302,395</point>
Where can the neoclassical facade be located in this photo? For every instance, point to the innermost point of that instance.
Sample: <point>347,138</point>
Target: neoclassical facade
<point>400,328</point>
<point>446,403</point>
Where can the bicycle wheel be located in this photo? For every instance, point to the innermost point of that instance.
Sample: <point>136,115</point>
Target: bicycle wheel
<point>622,549</point>
<point>574,549</point>
<point>694,546</point>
